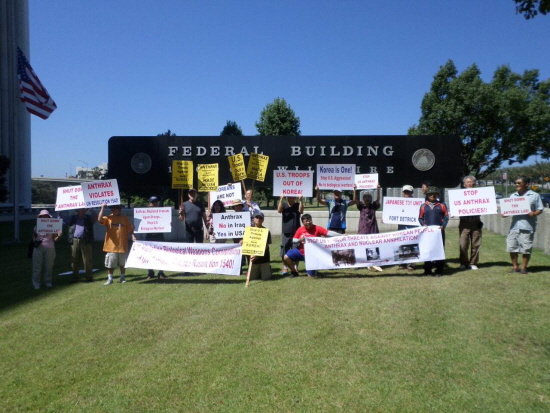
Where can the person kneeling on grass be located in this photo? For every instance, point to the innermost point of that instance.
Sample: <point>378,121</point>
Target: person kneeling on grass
<point>119,227</point>
<point>261,265</point>
<point>295,255</point>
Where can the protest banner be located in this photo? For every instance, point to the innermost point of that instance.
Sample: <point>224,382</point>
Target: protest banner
<point>517,205</point>
<point>227,194</point>
<point>236,164</point>
<point>100,192</point>
<point>207,175</point>
<point>69,197</point>
<point>172,256</point>
<point>335,176</point>
<point>257,166</point>
<point>472,201</point>
<point>389,248</point>
<point>230,224</point>
<point>152,220</point>
<point>366,181</point>
<point>182,174</point>
<point>293,183</point>
<point>48,225</point>
<point>254,241</point>
<point>401,211</point>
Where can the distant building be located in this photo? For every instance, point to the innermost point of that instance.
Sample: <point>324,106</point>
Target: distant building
<point>97,172</point>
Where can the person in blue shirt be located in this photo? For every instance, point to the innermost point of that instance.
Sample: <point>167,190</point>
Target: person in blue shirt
<point>337,209</point>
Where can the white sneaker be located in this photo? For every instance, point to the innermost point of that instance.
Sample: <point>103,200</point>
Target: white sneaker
<point>463,267</point>
<point>473,267</point>
<point>109,281</point>
<point>377,268</point>
<point>122,279</point>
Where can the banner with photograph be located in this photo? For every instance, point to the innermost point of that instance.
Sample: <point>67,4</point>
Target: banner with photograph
<point>389,248</point>
<point>49,225</point>
<point>366,181</point>
<point>227,194</point>
<point>518,205</point>
<point>100,192</point>
<point>69,197</point>
<point>401,211</point>
<point>199,258</point>
<point>257,166</point>
<point>293,183</point>
<point>207,175</point>
<point>335,176</point>
<point>152,220</point>
<point>230,224</point>
<point>472,201</point>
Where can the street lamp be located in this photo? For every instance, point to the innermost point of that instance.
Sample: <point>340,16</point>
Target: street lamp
<point>87,169</point>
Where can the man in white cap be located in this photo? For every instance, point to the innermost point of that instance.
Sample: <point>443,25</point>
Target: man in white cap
<point>407,193</point>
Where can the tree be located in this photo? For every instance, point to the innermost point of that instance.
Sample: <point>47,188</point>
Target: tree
<point>167,133</point>
<point>507,119</point>
<point>4,166</point>
<point>231,129</point>
<point>278,119</point>
<point>529,8</point>
<point>96,172</point>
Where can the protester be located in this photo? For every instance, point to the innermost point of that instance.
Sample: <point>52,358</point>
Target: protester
<point>119,228</point>
<point>238,207</point>
<point>261,266</point>
<point>194,214</point>
<point>337,209</point>
<point>523,227</point>
<point>434,212</point>
<point>407,192</point>
<point>43,255</point>
<point>295,255</point>
<point>367,216</point>
<point>81,237</point>
<point>155,237</point>
<point>249,205</point>
<point>217,208</point>
<point>469,229</point>
<point>291,212</point>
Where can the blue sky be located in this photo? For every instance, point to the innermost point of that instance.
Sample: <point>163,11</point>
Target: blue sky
<point>345,67</point>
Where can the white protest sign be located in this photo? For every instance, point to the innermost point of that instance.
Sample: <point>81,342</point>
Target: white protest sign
<point>49,225</point>
<point>172,256</point>
<point>389,248</point>
<point>518,205</point>
<point>227,194</point>
<point>335,176</point>
<point>401,211</point>
<point>472,201</point>
<point>293,183</point>
<point>69,197</point>
<point>100,192</point>
<point>366,181</point>
<point>230,224</point>
<point>152,220</point>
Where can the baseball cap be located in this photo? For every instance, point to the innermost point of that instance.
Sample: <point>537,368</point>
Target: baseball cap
<point>258,215</point>
<point>153,199</point>
<point>408,188</point>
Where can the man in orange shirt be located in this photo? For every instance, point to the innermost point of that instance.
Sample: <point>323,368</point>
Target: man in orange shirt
<point>119,228</point>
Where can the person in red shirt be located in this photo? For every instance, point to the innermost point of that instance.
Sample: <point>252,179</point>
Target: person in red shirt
<point>295,255</point>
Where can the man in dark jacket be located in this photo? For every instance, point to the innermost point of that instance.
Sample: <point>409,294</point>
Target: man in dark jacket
<point>434,212</point>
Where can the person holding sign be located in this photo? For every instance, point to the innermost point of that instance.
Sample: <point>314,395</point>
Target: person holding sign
<point>367,215</point>
<point>291,212</point>
<point>193,213</point>
<point>469,229</point>
<point>249,205</point>
<point>43,254</point>
<point>337,208</point>
<point>434,212</point>
<point>407,192</point>
<point>119,228</point>
<point>217,208</point>
<point>295,255</point>
<point>81,237</point>
<point>261,266</point>
<point>522,228</point>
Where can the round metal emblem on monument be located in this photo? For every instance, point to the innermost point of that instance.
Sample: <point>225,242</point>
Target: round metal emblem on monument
<point>423,159</point>
<point>141,163</point>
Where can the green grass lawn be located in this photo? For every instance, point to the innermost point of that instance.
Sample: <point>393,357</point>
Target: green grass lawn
<point>353,341</point>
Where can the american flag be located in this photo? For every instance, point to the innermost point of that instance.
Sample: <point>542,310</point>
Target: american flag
<point>33,93</point>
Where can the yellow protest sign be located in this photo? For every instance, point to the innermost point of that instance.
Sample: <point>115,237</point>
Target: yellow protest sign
<point>254,241</point>
<point>208,177</point>
<point>182,174</point>
<point>238,170</point>
<point>257,166</point>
